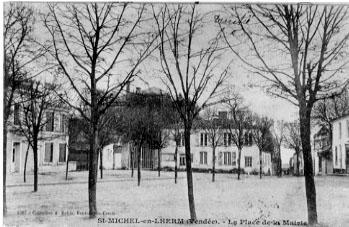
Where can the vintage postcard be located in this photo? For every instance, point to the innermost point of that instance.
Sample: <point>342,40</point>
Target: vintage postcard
<point>175,114</point>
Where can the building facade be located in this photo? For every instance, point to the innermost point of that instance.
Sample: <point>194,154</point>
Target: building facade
<point>322,155</point>
<point>297,168</point>
<point>226,154</point>
<point>52,146</point>
<point>340,144</point>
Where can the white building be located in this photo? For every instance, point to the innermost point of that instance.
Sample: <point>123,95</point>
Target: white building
<point>322,152</point>
<point>226,154</point>
<point>340,144</point>
<point>52,149</point>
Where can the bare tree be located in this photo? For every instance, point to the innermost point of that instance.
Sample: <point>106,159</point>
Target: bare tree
<point>278,133</point>
<point>89,41</point>
<point>239,123</point>
<point>176,133</point>
<point>163,109</point>
<point>40,100</point>
<point>260,133</point>
<point>177,138</point>
<point>71,133</point>
<point>326,110</point>
<point>310,42</point>
<point>107,133</point>
<point>293,140</point>
<point>189,70</point>
<point>213,126</point>
<point>20,52</point>
<point>142,119</point>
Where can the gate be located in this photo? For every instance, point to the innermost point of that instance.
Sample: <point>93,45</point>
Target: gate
<point>147,157</point>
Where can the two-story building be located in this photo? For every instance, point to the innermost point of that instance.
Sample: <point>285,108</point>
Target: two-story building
<point>226,154</point>
<point>52,146</point>
<point>340,144</point>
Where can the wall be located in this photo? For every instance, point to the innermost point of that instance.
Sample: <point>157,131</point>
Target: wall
<point>339,143</point>
<point>196,148</point>
<point>43,166</point>
<point>56,137</point>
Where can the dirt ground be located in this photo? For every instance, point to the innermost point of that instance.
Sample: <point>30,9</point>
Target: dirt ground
<point>159,202</point>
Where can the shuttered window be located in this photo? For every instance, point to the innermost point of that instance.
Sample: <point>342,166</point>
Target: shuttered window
<point>182,160</point>
<point>203,139</point>
<point>203,157</point>
<point>227,158</point>
<point>248,161</point>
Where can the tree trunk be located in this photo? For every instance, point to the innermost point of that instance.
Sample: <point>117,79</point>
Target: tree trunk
<point>278,162</point>
<point>280,165</point>
<point>304,113</point>
<point>297,155</point>
<point>131,160</point>
<point>4,163</point>
<point>113,159</point>
<point>213,163</point>
<point>35,154</point>
<point>176,162</point>
<point>66,169</point>
<point>260,164</point>
<point>239,162</point>
<point>92,172</point>
<point>101,162</point>
<point>159,162</point>
<point>187,129</point>
<point>139,164</point>
<point>25,164</point>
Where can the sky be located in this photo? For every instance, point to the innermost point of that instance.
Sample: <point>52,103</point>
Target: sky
<point>239,77</point>
<point>246,83</point>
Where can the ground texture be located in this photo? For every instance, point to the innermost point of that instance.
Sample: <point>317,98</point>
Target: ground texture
<point>248,202</point>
